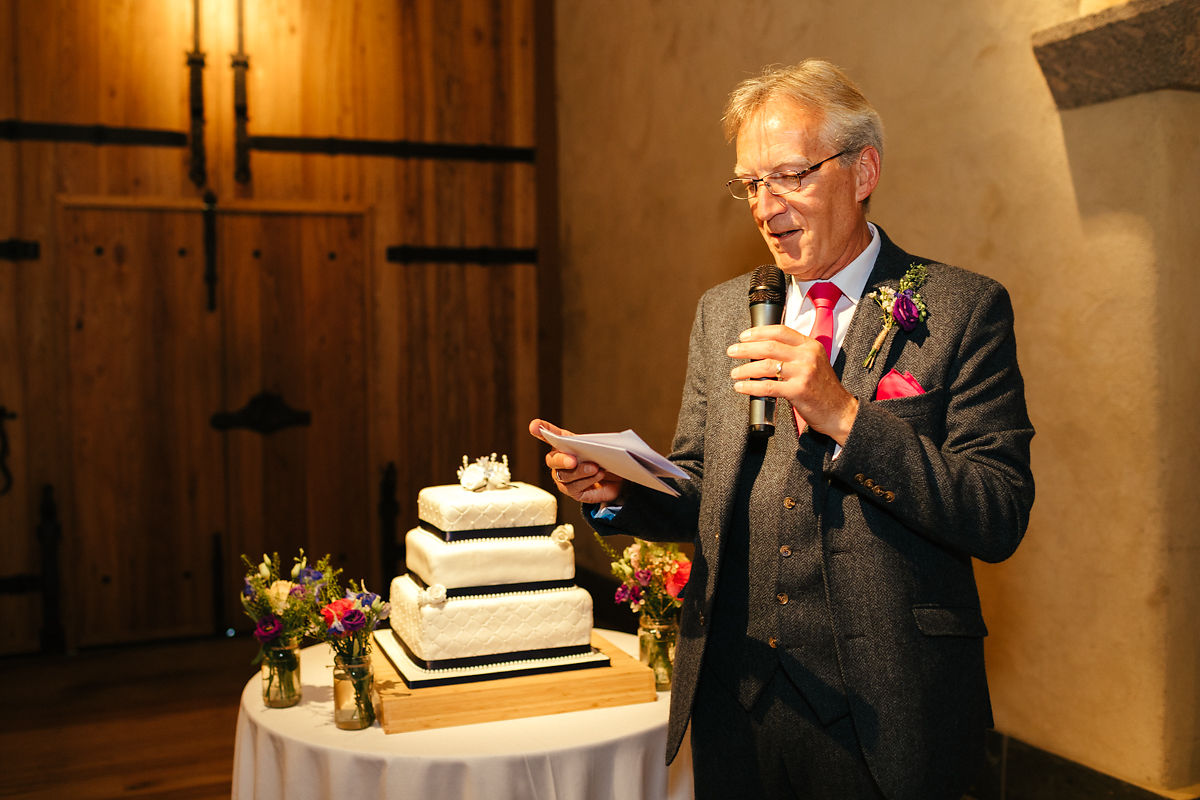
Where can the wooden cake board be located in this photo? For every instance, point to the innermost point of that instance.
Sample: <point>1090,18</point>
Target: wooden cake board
<point>399,708</point>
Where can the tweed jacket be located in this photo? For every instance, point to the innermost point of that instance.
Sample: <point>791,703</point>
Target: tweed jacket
<point>921,486</point>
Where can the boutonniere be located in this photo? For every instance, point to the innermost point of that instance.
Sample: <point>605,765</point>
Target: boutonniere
<point>903,307</point>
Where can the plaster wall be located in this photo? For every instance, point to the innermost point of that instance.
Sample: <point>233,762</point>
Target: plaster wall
<point>1085,217</point>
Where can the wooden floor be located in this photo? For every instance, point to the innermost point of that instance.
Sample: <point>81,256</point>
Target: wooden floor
<point>148,721</point>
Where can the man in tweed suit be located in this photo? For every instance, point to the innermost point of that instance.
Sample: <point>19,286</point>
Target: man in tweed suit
<point>831,641</point>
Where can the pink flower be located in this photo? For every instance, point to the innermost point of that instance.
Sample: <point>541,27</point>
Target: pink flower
<point>334,612</point>
<point>679,578</point>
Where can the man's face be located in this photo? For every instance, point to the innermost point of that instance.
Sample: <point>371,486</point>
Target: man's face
<point>816,230</point>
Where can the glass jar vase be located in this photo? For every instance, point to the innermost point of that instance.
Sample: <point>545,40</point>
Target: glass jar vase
<point>656,647</point>
<point>280,668</point>
<point>353,679</point>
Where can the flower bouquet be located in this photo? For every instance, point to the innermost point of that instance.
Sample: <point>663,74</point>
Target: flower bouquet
<point>653,577</point>
<point>284,611</point>
<point>348,625</point>
<point>905,307</point>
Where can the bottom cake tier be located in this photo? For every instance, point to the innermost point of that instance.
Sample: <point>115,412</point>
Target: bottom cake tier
<point>416,677</point>
<point>476,630</point>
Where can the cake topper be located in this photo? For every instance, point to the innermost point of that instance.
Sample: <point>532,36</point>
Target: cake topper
<point>485,473</point>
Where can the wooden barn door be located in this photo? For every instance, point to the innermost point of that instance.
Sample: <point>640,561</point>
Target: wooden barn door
<point>148,494</point>
<point>295,326</point>
<point>203,429</point>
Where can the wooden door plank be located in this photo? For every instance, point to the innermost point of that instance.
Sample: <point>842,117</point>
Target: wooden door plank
<point>144,365</point>
<point>296,319</point>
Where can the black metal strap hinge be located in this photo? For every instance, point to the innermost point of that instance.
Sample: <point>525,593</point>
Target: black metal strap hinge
<point>19,250</point>
<point>414,254</point>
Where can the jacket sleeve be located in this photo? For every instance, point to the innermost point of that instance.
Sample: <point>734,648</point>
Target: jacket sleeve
<point>952,464</point>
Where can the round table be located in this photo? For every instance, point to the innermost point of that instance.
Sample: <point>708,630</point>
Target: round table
<point>614,753</point>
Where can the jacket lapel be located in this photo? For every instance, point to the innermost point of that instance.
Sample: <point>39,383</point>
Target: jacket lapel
<point>866,323</point>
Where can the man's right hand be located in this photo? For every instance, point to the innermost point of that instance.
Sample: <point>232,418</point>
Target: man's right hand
<point>583,481</point>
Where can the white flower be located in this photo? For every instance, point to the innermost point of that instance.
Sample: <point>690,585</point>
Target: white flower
<point>498,476</point>
<point>472,477</point>
<point>563,534</point>
<point>278,594</point>
<point>485,473</point>
<point>264,569</point>
<point>433,596</point>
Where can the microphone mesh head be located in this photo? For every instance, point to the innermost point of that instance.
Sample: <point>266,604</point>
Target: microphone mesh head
<point>767,285</point>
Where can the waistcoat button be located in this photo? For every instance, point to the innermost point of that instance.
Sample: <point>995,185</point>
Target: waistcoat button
<point>782,598</point>
<point>789,502</point>
<point>785,551</point>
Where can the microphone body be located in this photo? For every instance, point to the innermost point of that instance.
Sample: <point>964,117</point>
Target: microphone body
<point>768,290</point>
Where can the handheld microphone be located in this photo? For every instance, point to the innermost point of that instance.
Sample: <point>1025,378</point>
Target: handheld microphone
<point>768,290</point>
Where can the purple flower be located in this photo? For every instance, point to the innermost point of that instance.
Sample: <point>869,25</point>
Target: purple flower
<point>905,310</point>
<point>296,591</point>
<point>643,576</point>
<point>622,595</point>
<point>367,599</point>
<point>635,594</point>
<point>309,575</point>
<point>247,589</point>
<point>354,620</point>
<point>268,628</point>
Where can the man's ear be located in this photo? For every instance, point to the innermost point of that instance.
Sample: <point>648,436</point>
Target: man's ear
<point>866,173</point>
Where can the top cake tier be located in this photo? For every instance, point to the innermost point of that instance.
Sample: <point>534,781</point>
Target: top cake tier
<point>518,509</point>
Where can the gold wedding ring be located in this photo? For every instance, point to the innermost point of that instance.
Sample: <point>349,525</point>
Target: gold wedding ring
<point>778,370</point>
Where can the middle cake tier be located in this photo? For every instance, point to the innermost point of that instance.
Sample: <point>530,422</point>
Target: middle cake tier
<point>479,565</point>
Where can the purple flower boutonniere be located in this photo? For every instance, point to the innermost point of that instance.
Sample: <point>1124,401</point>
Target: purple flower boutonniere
<point>903,307</point>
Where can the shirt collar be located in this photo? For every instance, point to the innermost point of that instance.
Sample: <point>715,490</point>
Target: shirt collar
<point>852,278</point>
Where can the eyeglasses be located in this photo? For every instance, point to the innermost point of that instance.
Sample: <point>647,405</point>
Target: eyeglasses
<point>777,183</point>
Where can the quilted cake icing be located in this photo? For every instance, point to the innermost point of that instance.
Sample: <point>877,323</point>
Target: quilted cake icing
<point>491,578</point>
<point>518,505</point>
<point>489,625</point>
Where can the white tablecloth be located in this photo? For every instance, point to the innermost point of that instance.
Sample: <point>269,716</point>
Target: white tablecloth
<point>601,754</point>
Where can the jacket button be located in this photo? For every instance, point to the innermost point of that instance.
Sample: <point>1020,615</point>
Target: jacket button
<point>782,598</point>
<point>889,496</point>
<point>870,484</point>
<point>773,642</point>
<point>789,502</point>
<point>859,478</point>
<point>785,551</point>
<point>878,490</point>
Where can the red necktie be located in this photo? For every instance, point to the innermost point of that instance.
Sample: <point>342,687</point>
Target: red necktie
<point>824,296</point>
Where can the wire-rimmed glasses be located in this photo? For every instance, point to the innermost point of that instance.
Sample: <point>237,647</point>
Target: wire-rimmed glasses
<point>777,183</point>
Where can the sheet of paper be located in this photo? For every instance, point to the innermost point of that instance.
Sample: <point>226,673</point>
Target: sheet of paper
<point>623,453</point>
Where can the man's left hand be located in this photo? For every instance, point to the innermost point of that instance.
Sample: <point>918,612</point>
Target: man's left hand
<point>805,378</point>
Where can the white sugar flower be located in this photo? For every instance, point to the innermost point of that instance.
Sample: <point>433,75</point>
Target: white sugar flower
<point>435,595</point>
<point>563,534</point>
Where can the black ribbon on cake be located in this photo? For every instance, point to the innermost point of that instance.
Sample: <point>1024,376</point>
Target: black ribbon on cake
<point>497,588</point>
<point>491,658</point>
<point>487,533</point>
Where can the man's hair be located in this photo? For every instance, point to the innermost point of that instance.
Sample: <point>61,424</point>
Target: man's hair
<point>848,121</point>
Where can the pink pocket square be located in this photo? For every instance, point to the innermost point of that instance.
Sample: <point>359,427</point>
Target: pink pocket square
<point>897,384</point>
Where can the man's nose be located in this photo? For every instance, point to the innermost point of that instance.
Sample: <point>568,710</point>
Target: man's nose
<point>765,205</point>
